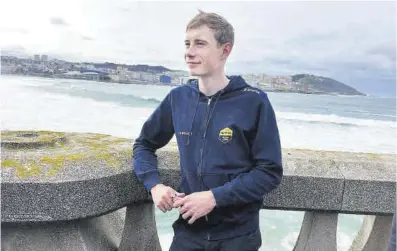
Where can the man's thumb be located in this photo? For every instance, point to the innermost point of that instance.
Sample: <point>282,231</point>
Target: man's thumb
<point>180,195</point>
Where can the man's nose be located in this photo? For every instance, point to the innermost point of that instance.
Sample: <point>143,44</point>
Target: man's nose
<point>190,52</point>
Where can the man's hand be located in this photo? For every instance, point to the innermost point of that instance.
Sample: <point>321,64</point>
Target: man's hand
<point>163,197</point>
<point>195,205</point>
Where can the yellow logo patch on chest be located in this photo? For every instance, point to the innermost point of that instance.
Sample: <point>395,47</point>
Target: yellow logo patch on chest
<point>225,135</point>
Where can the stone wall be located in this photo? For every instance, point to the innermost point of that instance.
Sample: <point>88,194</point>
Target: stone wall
<point>66,194</point>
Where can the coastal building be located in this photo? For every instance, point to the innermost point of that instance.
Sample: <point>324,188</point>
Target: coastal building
<point>150,77</point>
<point>165,79</point>
<point>136,75</point>
<point>86,75</point>
<point>121,74</point>
<point>252,79</point>
<point>266,79</point>
<point>264,85</point>
<point>90,66</point>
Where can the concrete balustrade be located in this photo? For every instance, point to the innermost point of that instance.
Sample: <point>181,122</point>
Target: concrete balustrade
<point>69,191</point>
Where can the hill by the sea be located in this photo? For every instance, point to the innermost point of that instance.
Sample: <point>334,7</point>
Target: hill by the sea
<point>318,84</point>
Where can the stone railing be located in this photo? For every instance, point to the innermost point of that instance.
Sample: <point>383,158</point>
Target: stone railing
<point>73,194</point>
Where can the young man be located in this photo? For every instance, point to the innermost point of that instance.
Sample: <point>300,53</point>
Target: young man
<point>229,146</point>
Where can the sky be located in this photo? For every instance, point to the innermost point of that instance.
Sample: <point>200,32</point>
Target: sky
<point>352,42</point>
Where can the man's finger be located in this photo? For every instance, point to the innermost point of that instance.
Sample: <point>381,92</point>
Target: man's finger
<point>172,194</point>
<point>161,207</point>
<point>187,214</point>
<point>168,203</point>
<point>167,200</point>
<point>179,202</point>
<point>183,209</point>
<point>193,219</point>
<point>176,199</point>
<point>180,195</point>
<point>165,206</point>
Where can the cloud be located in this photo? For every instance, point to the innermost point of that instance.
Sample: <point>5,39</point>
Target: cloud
<point>123,9</point>
<point>87,38</point>
<point>310,38</point>
<point>345,40</point>
<point>58,21</point>
<point>15,50</point>
<point>280,61</point>
<point>388,52</point>
<point>19,30</point>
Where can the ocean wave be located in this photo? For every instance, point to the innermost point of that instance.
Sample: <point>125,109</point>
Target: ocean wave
<point>124,99</point>
<point>289,241</point>
<point>149,99</point>
<point>334,119</point>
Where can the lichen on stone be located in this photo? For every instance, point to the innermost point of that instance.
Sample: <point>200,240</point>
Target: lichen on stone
<point>63,149</point>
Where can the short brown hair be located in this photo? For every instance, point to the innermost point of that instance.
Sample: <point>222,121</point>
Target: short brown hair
<point>224,31</point>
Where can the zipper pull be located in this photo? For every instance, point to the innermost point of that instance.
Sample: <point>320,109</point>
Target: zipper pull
<point>209,101</point>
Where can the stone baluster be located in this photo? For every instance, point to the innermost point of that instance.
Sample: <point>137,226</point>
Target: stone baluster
<point>318,232</point>
<point>140,231</point>
<point>373,234</point>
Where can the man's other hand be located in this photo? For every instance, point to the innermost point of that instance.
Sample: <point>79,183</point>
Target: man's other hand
<point>163,197</point>
<point>195,205</point>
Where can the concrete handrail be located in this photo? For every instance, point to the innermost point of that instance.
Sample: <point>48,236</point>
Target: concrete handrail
<point>319,182</point>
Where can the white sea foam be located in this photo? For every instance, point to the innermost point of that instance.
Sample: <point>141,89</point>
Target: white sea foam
<point>288,242</point>
<point>344,241</point>
<point>335,119</point>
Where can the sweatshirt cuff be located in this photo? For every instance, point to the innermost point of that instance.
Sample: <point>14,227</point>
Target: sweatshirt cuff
<point>222,196</point>
<point>151,179</point>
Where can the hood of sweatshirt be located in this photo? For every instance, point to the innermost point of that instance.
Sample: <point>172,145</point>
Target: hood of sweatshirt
<point>235,83</point>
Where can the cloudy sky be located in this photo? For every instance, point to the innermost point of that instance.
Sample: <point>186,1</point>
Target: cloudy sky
<point>353,42</point>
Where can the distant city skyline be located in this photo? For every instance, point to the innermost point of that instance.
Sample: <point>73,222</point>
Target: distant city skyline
<point>352,42</point>
<point>40,66</point>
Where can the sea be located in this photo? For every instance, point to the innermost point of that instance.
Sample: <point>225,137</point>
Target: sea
<point>319,122</point>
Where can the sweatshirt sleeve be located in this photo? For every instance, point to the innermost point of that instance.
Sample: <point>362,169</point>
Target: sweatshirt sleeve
<point>156,132</point>
<point>267,170</point>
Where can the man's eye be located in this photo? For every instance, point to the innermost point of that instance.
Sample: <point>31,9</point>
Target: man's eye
<point>187,45</point>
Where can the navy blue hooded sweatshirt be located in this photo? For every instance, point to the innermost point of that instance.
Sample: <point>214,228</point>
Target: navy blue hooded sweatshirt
<point>228,143</point>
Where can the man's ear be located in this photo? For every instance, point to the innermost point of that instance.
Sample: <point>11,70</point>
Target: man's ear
<point>226,50</point>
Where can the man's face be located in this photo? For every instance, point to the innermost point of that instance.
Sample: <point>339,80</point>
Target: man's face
<point>203,55</point>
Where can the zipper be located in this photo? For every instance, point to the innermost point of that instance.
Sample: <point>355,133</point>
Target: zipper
<point>208,233</point>
<point>202,152</point>
<point>204,134</point>
<point>203,145</point>
<point>202,148</point>
<point>208,236</point>
<point>206,119</point>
